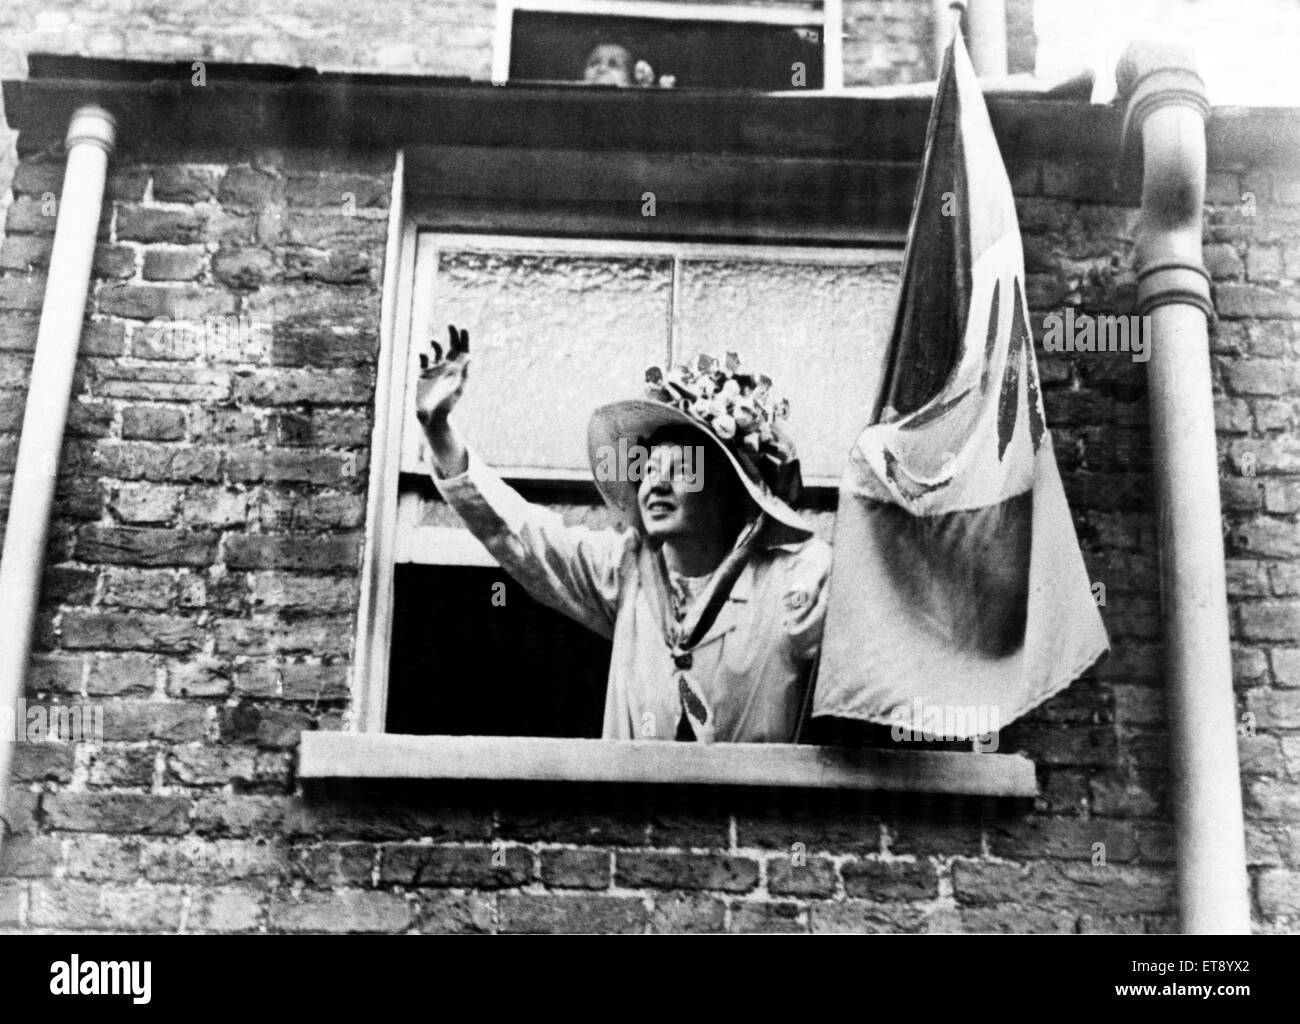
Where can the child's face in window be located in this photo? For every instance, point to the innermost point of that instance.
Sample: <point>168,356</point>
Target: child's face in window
<point>608,64</point>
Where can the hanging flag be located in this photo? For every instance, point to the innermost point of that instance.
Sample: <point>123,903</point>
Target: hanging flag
<point>958,595</point>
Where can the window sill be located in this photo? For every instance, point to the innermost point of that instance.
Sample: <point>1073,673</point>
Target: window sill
<point>327,755</point>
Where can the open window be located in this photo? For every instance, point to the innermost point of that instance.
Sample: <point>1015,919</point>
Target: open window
<point>654,44</point>
<point>564,315</point>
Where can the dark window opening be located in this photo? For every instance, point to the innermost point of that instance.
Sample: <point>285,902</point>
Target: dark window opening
<point>463,664</point>
<point>692,54</point>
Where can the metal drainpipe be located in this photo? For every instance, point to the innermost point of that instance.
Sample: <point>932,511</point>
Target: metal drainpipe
<point>1166,108</point>
<point>90,140</point>
<point>986,36</point>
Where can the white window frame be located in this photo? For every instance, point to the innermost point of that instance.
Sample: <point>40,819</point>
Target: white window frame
<point>832,22</point>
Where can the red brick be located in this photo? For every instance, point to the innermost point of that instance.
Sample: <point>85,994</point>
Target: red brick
<point>1260,755</point>
<point>225,910</point>
<point>890,880</point>
<point>223,426</point>
<point>454,913</point>
<point>806,877</point>
<point>21,807</point>
<point>304,342</point>
<point>117,676</point>
<point>1017,920</point>
<point>146,547</point>
<point>1270,620</point>
<point>783,823</point>
<point>331,865</point>
<point>1262,377</point>
<point>324,469</point>
<point>330,188</point>
<point>148,589</point>
<point>113,767</point>
<point>1063,838</point>
<point>382,816</point>
<point>295,387</point>
<point>126,183</point>
<point>864,917</point>
<point>657,870</point>
<point>768,918</point>
<point>105,858</point>
<point>470,867</point>
<point>1286,666</point>
<point>268,727</point>
<point>30,857</point>
<point>576,869</point>
<point>310,511</point>
<point>1064,886</point>
<point>245,188</point>
<point>321,593</point>
<point>184,183</point>
<point>174,264</point>
<point>308,554</point>
<point>141,813</point>
<point>925,836</point>
<point>1270,538</point>
<point>130,721</point>
<point>1275,709</point>
<point>1248,300</point>
<point>243,767</point>
<point>176,302</point>
<point>1278,892</point>
<point>144,504</point>
<point>675,913</point>
<point>109,631</point>
<point>36,176</point>
<point>42,762</point>
<point>313,682</point>
<point>78,906</point>
<point>583,914</point>
<point>152,224</point>
<point>244,268</point>
<point>12,897</point>
<point>240,815</point>
<point>162,463</point>
<point>263,636</point>
<point>55,674</point>
<point>213,860</point>
<point>344,910</point>
<point>22,293</point>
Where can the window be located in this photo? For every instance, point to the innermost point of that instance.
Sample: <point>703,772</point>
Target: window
<point>742,45</point>
<point>558,325</point>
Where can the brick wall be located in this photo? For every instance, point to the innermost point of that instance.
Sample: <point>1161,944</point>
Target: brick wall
<point>202,586</point>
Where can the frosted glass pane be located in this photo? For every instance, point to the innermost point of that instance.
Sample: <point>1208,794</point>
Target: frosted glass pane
<point>551,338</point>
<point>819,331</point>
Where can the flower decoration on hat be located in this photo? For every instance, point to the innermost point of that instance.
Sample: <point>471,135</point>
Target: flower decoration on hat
<point>740,409</point>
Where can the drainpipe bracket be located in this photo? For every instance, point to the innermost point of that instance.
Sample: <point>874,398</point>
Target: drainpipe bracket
<point>94,125</point>
<point>1172,280</point>
<point>1150,76</point>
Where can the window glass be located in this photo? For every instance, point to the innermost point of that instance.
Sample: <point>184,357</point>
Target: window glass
<point>546,46</point>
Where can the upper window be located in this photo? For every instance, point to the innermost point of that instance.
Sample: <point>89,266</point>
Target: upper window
<point>649,44</point>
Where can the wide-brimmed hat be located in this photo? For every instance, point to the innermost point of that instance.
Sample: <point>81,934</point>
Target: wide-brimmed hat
<point>712,399</point>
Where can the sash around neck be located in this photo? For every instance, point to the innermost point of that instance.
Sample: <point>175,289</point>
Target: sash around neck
<point>682,636</point>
